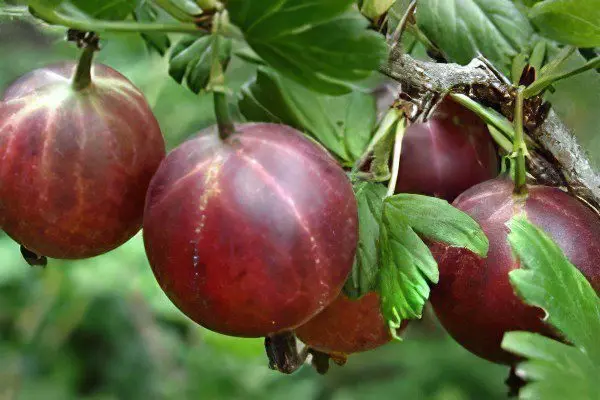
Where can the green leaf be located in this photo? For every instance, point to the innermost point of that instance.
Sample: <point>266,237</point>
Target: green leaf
<point>407,267</point>
<point>107,9</point>
<point>374,9</point>
<point>342,124</point>
<point>463,29</point>
<point>548,280</point>
<point>191,60</point>
<point>575,22</point>
<point>365,271</point>
<point>436,219</point>
<point>156,41</point>
<point>323,45</point>
<point>556,370</point>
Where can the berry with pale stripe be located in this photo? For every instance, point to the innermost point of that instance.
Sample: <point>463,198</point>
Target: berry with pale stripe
<point>251,235</point>
<point>75,163</point>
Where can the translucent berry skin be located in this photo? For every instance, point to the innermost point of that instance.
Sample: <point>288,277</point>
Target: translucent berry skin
<point>474,299</point>
<point>252,235</point>
<point>75,165</point>
<point>446,155</point>
<point>347,326</point>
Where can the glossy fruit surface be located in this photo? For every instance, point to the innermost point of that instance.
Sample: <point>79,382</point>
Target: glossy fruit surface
<point>446,155</point>
<point>75,165</point>
<point>252,235</point>
<point>474,299</point>
<point>347,326</point>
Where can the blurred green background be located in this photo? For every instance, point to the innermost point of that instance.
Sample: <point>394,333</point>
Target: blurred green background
<point>102,328</point>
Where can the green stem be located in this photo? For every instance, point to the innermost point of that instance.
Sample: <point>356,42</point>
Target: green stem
<point>519,146</point>
<point>224,121</point>
<point>174,11</point>
<point>489,116</point>
<point>92,25</point>
<point>83,74</point>
<point>217,80</point>
<point>541,84</point>
<point>382,131</point>
<point>400,130</point>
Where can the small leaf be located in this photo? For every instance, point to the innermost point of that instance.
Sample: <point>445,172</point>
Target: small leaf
<point>556,370</point>
<point>407,267</point>
<point>191,60</point>
<point>365,271</point>
<point>159,42</point>
<point>575,22</point>
<point>548,280</point>
<point>323,45</point>
<point>463,29</point>
<point>436,219</point>
<point>342,124</point>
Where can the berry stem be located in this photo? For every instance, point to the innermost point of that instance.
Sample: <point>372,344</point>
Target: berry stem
<point>217,80</point>
<point>83,74</point>
<point>93,25</point>
<point>400,130</point>
<point>519,146</point>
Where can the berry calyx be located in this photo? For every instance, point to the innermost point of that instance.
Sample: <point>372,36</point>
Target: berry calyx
<point>252,234</point>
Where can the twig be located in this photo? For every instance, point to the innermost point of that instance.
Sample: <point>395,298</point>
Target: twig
<point>423,81</point>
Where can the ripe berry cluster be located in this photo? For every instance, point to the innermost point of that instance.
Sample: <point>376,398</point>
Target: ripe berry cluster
<point>255,233</point>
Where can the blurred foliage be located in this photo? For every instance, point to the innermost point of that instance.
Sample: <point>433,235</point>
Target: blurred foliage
<point>102,329</point>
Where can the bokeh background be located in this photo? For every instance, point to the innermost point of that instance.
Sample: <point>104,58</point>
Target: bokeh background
<point>102,328</point>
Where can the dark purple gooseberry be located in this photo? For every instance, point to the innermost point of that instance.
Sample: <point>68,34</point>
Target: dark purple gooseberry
<point>446,155</point>
<point>250,235</point>
<point>75,163</point>
<point>474,299</point>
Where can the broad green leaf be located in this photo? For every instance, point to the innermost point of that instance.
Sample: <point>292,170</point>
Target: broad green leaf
<point>548,280</point>
<point>436,219</point>
<point>157,41</point>
<point>343,124</point>
<point>323,45</point>
<point>191,60</point>
<point>465,28</point>
<point>365,271</point>
<point>556,370</point>
<point>107,9</point>
<point>575,22</point>
<point>407,267</point>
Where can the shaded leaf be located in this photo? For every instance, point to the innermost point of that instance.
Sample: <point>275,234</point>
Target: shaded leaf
<point>323,45</point>
<point>157,41</point>
<point>463,29</point>
<point>365,271</point>
<point>575,22</point>
<point>342,124</point>
<point>191,60</point>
